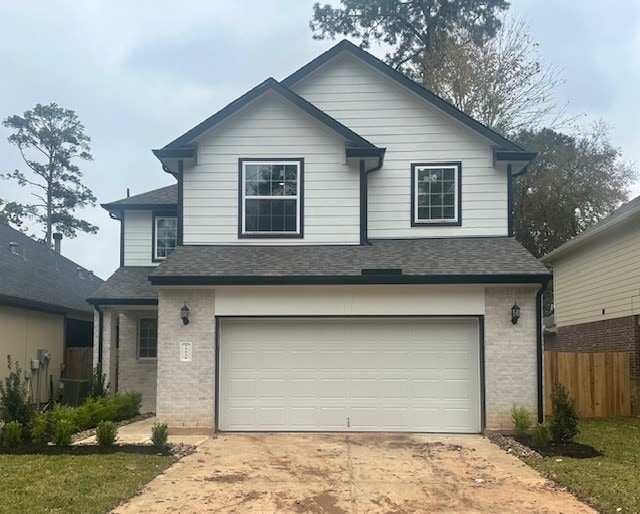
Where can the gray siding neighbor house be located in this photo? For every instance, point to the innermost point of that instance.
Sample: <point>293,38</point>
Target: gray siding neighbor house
<point>336,254</point>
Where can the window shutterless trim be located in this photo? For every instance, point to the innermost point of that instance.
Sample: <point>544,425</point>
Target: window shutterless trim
<point>299,234</point>
<point>138,347</point>
<point>457,196</point>
<point>154,243</point>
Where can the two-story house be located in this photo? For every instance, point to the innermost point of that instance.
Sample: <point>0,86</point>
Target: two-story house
<point>337,254</point>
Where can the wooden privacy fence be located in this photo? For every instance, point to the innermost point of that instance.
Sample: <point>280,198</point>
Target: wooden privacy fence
<point>600,382</point>
<point>78,362</point>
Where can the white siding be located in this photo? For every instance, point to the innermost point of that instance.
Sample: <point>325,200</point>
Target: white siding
<point>413,132</point>
<point>603,274</point>
<point>272,128</point>
<point>137,238</point>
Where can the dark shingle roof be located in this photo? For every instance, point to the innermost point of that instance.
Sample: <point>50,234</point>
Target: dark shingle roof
<point>419,259</point>
<point>127,283</point>
<point>623,212</point>
<point>37,276</point>
<point>167,196</point>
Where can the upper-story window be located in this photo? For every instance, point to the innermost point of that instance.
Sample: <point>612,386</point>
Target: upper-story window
<point>165,235</point>
<point>435,194</point>
<point>271,198</point>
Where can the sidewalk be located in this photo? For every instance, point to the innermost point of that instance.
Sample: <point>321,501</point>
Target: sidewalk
<point>140,433</point>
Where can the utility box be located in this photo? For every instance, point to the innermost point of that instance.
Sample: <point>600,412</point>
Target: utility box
<point>74,391</point>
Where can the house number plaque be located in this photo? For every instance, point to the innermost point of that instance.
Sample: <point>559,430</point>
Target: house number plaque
<point>185,352</point>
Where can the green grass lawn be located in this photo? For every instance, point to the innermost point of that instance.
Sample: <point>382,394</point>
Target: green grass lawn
<point>608,482</point>
<point>74,483</point>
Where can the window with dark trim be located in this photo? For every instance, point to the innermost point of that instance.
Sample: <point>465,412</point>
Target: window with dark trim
<point>435,194</point>
<point>148,338</point>
<point>271,197</point>
<point>165,237</point>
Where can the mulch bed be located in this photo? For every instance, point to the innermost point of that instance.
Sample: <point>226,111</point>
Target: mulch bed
<point>522,447</point>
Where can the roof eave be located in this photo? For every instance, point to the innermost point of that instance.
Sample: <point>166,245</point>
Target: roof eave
<point>350,279</point>
<point>587,237</point>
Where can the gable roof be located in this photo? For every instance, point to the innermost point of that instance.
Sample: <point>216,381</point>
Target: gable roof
<point>426,261</point>
<point>619,216</point>
<point>164,197</point>
<point>177,147</point>
<point>517,152</point>
<point>36,276</point>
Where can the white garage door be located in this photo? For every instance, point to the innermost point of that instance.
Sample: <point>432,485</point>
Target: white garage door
<point>370,374</point>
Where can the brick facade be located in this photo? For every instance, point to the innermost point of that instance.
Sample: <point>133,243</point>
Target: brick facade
<point>611,335</point>
<point>136,374</point>
<point>510,355</point>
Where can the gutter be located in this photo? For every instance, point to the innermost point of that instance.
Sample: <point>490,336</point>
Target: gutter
<point>364,198</point>
<point>540,349</point>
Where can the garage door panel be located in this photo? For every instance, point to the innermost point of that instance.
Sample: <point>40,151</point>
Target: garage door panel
<point>345,374</point>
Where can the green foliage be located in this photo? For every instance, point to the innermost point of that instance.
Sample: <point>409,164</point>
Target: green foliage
<point>564,421</point>
<point>13,213</point>
<point>106,434</point>
<point>49,138</point>
<point>107,408</point>
<point>541,435</point>
<point>522,419</point>
<point>41,430</point>
<point>98,383</point>
<point>159,434</point>
<point>416,31</point>
<point>62,423</point>
<point>12,434</point>
<point>14,397</point>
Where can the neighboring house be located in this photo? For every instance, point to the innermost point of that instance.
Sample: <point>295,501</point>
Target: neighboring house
<point>341,245</point>
<point>42,306</point>
<point>596,290</point>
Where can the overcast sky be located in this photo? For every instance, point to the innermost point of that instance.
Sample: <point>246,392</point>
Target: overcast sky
<point>139,74</point>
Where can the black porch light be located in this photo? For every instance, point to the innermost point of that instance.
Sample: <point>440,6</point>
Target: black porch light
<point>184,314</point>
<point>515,313</point>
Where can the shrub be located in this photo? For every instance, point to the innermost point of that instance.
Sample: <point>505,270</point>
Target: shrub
<point>98,387</point>
<point>564,421</point>
<point>159,434</point>
<point>12,434</point>
<point>41,430</point>
<point>106,434</point>
<point>522,419</point>
<point>541,435</point>
<point>62,423</point>
<point>14,397</point>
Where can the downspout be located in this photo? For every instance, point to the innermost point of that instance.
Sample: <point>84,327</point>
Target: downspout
<point>540,349</point>
<point>100,329</point>
<point>364,201</point>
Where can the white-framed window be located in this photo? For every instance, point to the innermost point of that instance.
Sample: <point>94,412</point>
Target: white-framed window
<point>148,338</point>
<point>435,193</point>
<point>165,229</point>
<point>271,198</point>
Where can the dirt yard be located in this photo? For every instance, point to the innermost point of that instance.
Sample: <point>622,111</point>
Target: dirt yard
<point>351,473</point>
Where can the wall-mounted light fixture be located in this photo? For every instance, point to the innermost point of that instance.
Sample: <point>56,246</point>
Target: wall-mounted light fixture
<point>515,313</point>
<point>184,314</point>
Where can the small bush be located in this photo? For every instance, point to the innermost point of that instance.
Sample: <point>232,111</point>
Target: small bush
<point>12,434</point>
<point>41,430</point>
<point>522,419</point>
<point>159,434</point>
<point>98,387</point>
<point>564,421</point>
<point>14,397</point>
<point>62,431</point>
<point>541,435</point>
<point>106,434</point>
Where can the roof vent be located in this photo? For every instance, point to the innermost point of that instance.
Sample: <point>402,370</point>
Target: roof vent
<point>382,272</point>
<point>57,239</point>
<point>90,275</point>
<point>79,271</point>
<point>13,248</point>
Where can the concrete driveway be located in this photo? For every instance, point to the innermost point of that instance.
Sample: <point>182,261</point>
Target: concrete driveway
<point>351,473</point>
